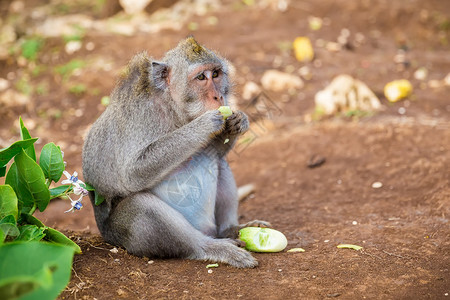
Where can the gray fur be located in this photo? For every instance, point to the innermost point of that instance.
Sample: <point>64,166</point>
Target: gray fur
<point>157,156</point>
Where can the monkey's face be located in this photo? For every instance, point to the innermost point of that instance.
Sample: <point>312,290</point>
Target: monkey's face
<point>208,88</point>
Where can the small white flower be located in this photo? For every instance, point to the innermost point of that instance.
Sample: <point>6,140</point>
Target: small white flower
<point>72,179</point>
<point>76,204</point>
<point>79,190</point>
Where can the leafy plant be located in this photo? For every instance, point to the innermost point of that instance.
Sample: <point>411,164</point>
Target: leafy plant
<point>31,47</point>
<point>35,260</point>
<point>66,70</point>
<point>78,89</point>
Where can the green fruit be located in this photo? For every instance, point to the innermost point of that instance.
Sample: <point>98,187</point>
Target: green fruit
<point>262,239</point>
<point>225,111</point>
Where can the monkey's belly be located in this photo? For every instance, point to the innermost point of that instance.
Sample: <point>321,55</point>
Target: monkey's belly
<point>192,190</point>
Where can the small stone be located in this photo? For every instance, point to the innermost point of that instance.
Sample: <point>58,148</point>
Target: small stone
<point>377,185</point>
<point>434,84</point>
<point>326,241</point>
<point>151,262</point>
<point>305,72</point>
<point>355,223</point>
<point>277,81</point>
<point>250,90</point>
<point>345,93</point>
<point>114,250</point>
<point>421,73</point>
<point>447,80</point>
<point>315,23</point>
<point>210,271</point>
<point>73,46</point>
<point>90,46</point>
<point>134,6</point>
<point>120,292</point>
<point>4,84</point>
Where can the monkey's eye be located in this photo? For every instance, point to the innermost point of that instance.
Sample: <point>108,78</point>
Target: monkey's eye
<point>215,74</point>
<point>201,77</point>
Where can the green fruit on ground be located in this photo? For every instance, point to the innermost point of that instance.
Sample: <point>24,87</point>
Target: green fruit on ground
<point>262,239</point>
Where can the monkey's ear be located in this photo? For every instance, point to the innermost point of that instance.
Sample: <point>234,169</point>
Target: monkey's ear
<point>160,74</point>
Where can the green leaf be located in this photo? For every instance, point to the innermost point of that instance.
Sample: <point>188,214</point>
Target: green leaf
<point>30,233</point>
<point>16,287</point>
<point>99,199</point>
<point>54,236</point>
<point>2,237</point>
<point>8,226</point>
<point>59,191</point>
<point>2,171</point>
<point>25,135</point>
<point>30,219</point>
<point>8,202</point>
<point>88,187</point>
<point>34,270</point>
<point>6,154</point>
<point>51,162</point>
<point>32,177</point>
<point>22,193</point>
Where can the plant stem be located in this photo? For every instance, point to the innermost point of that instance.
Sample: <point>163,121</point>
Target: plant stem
<point>33,209</point>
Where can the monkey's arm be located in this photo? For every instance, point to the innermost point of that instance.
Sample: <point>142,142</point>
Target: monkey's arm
<point>161,157</point>
<point>235,125</point>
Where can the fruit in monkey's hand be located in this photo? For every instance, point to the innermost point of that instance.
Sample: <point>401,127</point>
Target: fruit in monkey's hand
<point>225,111</point>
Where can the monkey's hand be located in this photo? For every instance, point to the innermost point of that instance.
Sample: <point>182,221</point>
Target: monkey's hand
<point>236,124</point>
<point>213,121</point>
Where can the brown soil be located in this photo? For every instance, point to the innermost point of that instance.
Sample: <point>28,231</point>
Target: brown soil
<point>403,226</point>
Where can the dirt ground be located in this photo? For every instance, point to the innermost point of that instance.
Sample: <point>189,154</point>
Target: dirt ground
<point>403,225</point>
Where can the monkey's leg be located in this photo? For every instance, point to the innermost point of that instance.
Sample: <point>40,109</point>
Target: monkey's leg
<point>147,226</point>
<point>227,205</point>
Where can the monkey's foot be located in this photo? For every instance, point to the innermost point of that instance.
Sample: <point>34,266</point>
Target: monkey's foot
<point>225,251</point>
<point>256,223</point>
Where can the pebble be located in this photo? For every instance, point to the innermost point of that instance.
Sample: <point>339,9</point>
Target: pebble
<point>278,81</point>
<point>72,47</point>
<point>421,74</point>
<point>114,250</point>
<point>377,185</point>
<point>355,223</point>
<point>4,84</point>
<point>250,90</point>
<point>210,271</point>
<point>346,93</point>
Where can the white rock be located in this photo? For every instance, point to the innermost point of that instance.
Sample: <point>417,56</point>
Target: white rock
<point>4,84</point>
<point>134,6</point>
<point>377,185</point>
<point>447,80</point>
<point>63,25</point>
<point>277,81</point>
<point>345,93</point>
<point>73,46</point>
<point>421,74</point>
<point>250,90</point>
<point>11,98</point>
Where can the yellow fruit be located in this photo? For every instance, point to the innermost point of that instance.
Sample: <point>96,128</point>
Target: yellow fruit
<point>397,90</point>
<point>303,49</point>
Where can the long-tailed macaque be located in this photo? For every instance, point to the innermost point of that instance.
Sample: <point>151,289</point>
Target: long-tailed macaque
<point>157,156</point>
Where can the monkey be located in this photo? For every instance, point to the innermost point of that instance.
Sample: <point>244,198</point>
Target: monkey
<point>157,155</point>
